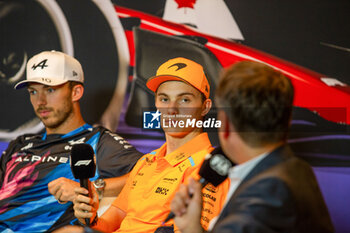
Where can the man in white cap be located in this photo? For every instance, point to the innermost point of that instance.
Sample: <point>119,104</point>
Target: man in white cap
<point>37,165</point>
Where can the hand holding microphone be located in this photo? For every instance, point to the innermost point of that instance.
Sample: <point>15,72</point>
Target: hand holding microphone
<point>83,167</point>
<point>214,170</point>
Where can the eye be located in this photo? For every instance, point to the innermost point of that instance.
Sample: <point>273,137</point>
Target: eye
<point>163,99</point>
<point>185,100</point>
<point>32,92</point>
<point>50,90</point>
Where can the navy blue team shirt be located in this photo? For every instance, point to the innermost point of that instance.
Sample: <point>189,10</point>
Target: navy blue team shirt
<point>32,161</point>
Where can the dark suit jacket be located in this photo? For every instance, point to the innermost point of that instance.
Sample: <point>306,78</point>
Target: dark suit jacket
<point>280,194</point>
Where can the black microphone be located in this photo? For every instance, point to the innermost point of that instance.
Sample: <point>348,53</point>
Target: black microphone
<point>83,166</point>
<point>214,170</point>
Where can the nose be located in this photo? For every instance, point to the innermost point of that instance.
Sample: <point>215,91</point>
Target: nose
<point>172,108</point>
<point>41,99</point>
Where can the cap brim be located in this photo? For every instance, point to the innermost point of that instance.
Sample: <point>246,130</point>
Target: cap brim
<point>154,82</point>
<point>53,82</point>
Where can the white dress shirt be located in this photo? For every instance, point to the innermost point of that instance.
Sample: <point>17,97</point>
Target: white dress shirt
<point>236,175</point>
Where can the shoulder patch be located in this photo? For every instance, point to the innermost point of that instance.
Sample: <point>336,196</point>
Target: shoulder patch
<point>191,161</point>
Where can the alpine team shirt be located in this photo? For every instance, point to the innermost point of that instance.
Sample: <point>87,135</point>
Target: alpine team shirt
<point>154,181</point>
<point>32,161</point>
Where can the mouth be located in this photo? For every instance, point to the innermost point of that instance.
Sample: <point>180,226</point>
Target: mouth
<point>44,113</point>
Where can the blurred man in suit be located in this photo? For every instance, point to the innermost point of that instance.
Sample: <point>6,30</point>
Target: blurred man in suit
<point>271,190</point>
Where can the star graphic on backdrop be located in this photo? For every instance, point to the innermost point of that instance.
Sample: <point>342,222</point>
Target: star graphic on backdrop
<point>155,115</point>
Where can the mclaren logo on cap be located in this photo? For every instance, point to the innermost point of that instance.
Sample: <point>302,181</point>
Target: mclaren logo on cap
<point>179,66</point>
<point>41,64</point>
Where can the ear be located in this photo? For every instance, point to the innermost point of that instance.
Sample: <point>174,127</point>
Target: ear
<point>206,106</point>
<point>77,92</point>
<point>226,124</point>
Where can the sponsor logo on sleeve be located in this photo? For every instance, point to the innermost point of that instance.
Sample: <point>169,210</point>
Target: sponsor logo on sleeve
<point>162,190</point>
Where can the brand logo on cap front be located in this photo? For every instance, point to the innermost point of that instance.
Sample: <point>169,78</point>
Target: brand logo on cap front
<point>179,66</point>
<point>41,64</point>
<point>75,73</point>
<point>46,80</point>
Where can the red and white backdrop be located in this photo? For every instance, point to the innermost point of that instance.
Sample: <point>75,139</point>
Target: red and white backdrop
<point>312,34</point>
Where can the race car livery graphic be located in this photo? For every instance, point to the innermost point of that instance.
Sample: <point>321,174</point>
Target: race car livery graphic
<point>120,48</point>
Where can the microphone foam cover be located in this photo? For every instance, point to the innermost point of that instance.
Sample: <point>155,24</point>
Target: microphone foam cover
<point>82,161</point>
<point>215,167</point>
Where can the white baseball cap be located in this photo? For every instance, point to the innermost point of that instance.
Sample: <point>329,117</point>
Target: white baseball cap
<point>52,68</point>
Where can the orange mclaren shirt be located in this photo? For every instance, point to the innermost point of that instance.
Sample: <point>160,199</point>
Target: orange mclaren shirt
<point>154,181</point>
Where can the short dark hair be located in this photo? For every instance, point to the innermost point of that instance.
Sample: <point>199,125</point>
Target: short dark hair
<point>258,101</point>
<point>73,84</point>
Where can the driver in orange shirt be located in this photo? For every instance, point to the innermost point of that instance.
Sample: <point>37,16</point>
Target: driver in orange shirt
<point>181,90</point>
